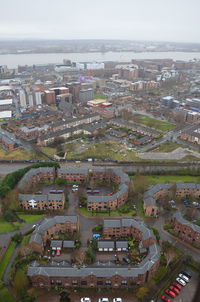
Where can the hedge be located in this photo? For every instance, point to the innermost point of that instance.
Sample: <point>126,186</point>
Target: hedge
<point>10,180</point>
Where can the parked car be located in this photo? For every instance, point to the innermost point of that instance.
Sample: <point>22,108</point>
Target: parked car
<point>110,194</point>
<point>53,253</point>
<point>170,293</point>
<point>183,277</point>
<point>165,298</point>
<point>175,290</point>
<point>177,285</point>
<point>187,274</point>
<point>117,300</point>
<point>127,260</point>
<point>181,281</point>
<point>85,299</point>
<point>103,300</point>
<point>58,252</point>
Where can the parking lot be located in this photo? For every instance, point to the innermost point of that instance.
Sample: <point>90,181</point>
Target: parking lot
<point>188,292</point>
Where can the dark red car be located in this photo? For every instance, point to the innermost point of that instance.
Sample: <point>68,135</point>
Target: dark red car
<point>170,293</point>
<point>175,290</point>
<point>164,298</point>
<point>178,286</point>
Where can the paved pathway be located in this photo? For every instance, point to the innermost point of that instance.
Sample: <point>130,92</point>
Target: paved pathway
<point>176,154</point>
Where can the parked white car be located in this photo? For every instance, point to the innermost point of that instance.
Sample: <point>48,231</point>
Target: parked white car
<point>85,299</point>
<point>117,300</point>
<point>103,300</point>
<point>180,281</point>
<point>186,279</point>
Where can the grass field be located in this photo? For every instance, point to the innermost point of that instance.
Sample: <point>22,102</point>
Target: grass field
<point>172,178</point>
<point>100,96</point>
<point>18,154</point>
<point>112,213</point>
<point>108,149</point>
<point>4,262</point>
<point>7,226</point>
<point>6,296</point>
<point>28,218</point>
<point>153,123</point>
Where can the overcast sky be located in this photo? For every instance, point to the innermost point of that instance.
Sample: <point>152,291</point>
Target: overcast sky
<point>165,20</point>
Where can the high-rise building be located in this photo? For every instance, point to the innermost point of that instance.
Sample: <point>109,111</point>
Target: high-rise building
<point>86,95</point>
<point>22,98</point>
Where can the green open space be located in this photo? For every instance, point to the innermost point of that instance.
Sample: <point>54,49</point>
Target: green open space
<point>28,218</point>
<point>6,296</point>
<point>18,154</point>
<point>85,212</point>
<point>153,123</point>
<point>4,262</point>
<point>6,226</point>
<point>172,178</point>
<point>100,96</point>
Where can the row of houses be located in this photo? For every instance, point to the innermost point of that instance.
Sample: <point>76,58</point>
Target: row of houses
<point>134,127</point>
<point>50,227</point>
<point>186,230</point>
<point>55,129</point>
<point>192,135</point>
<point>98,275</point>
<point>179,189</point>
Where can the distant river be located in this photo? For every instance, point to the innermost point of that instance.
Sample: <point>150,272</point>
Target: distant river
<point>13,60</point>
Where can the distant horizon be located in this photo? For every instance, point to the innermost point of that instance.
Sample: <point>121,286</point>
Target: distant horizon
<point>93,39</point>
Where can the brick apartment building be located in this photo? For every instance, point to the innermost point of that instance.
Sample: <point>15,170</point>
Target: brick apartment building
<point>35,175</point>
<point>159,191</point>
<point>42,201</point>
<point>7,143</point>
<point>100,203</point>
<point>186,230</point>
<point>97,276</point>
<point>51,226</point>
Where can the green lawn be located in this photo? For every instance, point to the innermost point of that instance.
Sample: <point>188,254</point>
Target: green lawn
<point>4,262</point>
<point>6,296</point>
<point>153,123</point>
<point>100,96</point>
<point>172,178</point>
<point>28,218</point>
<point>141,209</point>
<point>7,226</point>
<point>112,213</point>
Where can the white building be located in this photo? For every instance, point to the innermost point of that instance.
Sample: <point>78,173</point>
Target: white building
<point>38,98</point>
<point>22,98</point>
<point>95,66</point>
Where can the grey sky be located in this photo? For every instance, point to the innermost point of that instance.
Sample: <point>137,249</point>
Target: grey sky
<point>166,20</point>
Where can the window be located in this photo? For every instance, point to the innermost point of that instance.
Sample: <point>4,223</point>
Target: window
<point>99,282</point>
<point>108,282</point>
<point>83,282</point>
